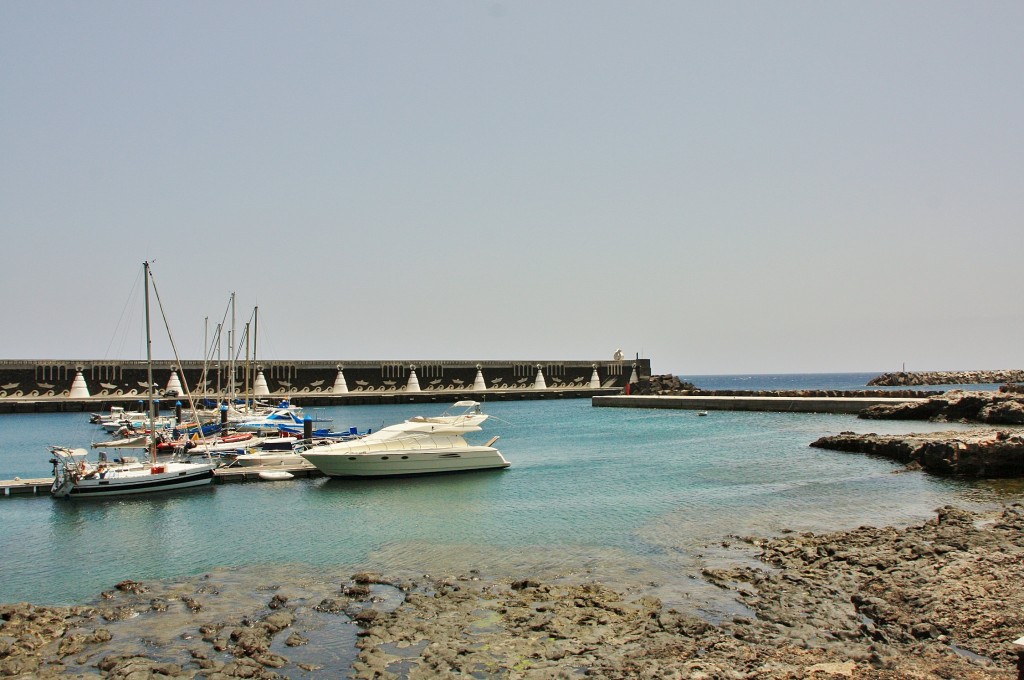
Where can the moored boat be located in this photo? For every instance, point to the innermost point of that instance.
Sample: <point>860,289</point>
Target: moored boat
<point>74,476</point>
<point>420,445</point>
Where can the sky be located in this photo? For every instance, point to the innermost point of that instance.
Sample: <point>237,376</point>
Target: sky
<point>721,187</point>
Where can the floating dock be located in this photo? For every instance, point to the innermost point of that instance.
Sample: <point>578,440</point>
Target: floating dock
<point>234,473</point>
<point>782,404</point>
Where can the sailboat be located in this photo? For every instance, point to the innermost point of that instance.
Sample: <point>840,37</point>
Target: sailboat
<point>75,477</point>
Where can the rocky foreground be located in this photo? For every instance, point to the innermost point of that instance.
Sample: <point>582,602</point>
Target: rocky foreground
<point>940,600</point>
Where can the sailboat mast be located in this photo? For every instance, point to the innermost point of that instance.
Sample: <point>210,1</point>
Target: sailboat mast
<point>149,370</point>
<point>255,336</point>
<point>232,339</point>
<point>247,365</point>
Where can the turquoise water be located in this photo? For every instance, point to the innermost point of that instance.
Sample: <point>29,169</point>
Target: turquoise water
<point>636,496</point>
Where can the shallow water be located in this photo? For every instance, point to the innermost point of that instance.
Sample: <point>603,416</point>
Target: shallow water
<point>639,497</point>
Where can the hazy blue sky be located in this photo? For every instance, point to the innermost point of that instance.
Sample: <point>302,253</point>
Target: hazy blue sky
<point>724,187</point>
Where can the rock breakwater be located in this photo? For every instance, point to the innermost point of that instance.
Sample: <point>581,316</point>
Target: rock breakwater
<point>667,385</point>
<point>937,600</point>
<point>948,378</point>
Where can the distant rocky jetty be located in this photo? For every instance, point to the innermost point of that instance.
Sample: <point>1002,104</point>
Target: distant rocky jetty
<point>667,385</point>
<point>660,384</point>
<point>989,454</point>
<point>992,408</point>
<point>931,601</point>
<point>910,378</point>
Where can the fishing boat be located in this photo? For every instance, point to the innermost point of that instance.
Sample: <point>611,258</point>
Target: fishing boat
<point>420,445</point>
<point>75,477</point>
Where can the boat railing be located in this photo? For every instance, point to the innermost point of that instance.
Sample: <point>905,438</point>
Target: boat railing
<point>406,444</point>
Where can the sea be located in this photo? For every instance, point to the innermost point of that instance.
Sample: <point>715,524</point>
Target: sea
<point>636,498</point>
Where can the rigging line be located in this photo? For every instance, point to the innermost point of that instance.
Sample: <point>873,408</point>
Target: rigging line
<point>177,360</point>
<point>124,310</point>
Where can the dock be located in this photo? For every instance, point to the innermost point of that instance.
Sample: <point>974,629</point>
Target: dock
<point>784,404</point>
<point>236,473</point>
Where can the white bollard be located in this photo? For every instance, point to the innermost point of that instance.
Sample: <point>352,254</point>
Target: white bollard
<point>260,387</point>
<point>340,386</point>
<point>414,384</point>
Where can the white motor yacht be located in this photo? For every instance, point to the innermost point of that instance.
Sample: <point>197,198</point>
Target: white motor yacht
<point>417,446</point>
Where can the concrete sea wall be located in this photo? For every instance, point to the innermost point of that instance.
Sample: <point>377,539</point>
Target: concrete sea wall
<point>63,383</point>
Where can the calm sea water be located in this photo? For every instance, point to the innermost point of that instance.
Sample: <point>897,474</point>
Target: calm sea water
<point>636,496</point>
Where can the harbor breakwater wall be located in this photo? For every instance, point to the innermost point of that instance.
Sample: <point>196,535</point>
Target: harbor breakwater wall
<point>911,378</point>
<point>54,385</point>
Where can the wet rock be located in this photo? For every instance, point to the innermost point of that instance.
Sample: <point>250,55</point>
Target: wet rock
<point>131,667</point>
<point>330,606</point>
<point>191,603</point>
<point>357,592</point>
<point>296,640</point>
<point>129,586</point>
<point>368,578</point>
<point>121,613</point>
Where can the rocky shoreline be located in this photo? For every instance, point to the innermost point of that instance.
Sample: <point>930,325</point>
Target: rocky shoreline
<point>983,454</point>
<point>939,600</point>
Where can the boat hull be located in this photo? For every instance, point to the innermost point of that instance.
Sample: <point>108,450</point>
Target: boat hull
<point>270,459</point>
<point>172,480</point>
<point>407,463</point>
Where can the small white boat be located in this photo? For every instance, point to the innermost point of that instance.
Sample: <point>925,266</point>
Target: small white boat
<point>257,458</point>
<point>702,413</point>
<point>273,421</point>
<point>74,477</point>
<point>276,475</point>
<point>417,446</point>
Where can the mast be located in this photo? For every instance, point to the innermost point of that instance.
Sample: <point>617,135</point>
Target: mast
<point>247,365</point>
<point>255,336</point>
<point>149,371</point>
<point>206,354</point>
<point>232,339</point>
